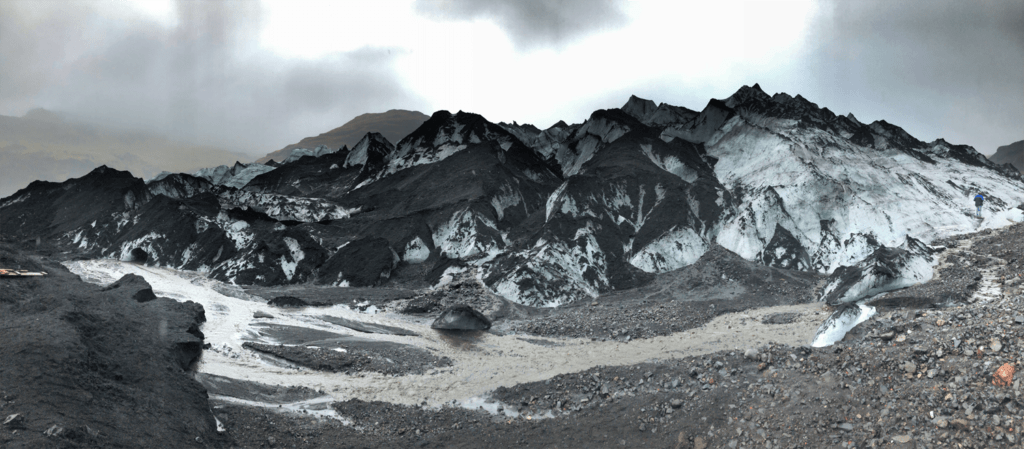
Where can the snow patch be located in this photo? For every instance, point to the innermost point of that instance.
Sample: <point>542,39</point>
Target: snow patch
<point>416,251</point>
<point>289,266</point>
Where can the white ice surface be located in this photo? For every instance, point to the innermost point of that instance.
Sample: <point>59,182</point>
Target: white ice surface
<point>818,176</point>
<point>836,327</point>
<point>319,407</point>
<point>416,251</point>
<point>229,320</point>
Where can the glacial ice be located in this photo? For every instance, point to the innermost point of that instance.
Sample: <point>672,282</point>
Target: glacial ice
<point>842,321</point>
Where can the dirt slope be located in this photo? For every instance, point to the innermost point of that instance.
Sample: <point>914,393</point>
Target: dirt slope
<point>394,125</point>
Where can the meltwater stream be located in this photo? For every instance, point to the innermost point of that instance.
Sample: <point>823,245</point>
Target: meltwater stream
<point>490,362</point>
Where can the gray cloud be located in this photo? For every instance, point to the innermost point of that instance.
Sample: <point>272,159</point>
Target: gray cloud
<point>533,23</point>
<point>939,68</point>
<point>202,80</point>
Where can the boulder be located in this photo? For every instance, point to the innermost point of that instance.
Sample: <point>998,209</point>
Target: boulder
<point>463,318</point>
<point>15,421</point>
<point>134,286</point>
<point>290,301</point>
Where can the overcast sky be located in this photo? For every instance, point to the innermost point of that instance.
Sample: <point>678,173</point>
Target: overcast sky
<point>255,76</point>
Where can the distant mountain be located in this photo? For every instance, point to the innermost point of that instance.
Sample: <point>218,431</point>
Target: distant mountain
<point>393,125</point>
<point>548,217</point>
<point>1012,154</point>
<point>45,145</point>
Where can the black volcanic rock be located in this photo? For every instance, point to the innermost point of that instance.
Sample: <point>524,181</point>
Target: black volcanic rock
<point>291,301</point>
<point>134,286</point>
<point>969,156</point>
<point>445,134</point>
<point>667,114</point>
<point>57,209</point>
<point>701,127</point>
<point>109,359</point>
<point>179,186</point>
<point>323,177</point>
<point>461,318</point>
<point>361,263</point>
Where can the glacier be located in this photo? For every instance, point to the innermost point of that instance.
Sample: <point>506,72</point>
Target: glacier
<point>549,217</point>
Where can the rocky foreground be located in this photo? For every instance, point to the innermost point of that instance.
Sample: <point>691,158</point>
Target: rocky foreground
<point>87,366</point>
<point>941,373</point>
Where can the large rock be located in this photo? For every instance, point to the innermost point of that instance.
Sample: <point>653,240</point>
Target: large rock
<point>462,318</point>
<point>134,286</point>
<point>291,301</point>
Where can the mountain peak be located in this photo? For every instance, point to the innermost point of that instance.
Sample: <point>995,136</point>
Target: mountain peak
<point>559,124</point>
<point>374,137</point>
<point>441,114</point>
<point>638,107</point>
<point>44,115</point>
<point>371,152</point>
<point>747,94</point>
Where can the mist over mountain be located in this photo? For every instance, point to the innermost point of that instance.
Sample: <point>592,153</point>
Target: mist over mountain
<point>1012,154</point>
<point>49,146</point>
<point>548,217</point>
<point>393,125</point>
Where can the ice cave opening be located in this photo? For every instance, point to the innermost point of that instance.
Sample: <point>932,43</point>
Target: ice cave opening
<point>138,255</point>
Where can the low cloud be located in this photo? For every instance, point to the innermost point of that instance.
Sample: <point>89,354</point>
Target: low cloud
<point>939,68</point>
<point>534,23</point>
<point>200,80</point>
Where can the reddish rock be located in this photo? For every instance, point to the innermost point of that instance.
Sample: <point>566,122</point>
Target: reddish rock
<point>1003,376</point>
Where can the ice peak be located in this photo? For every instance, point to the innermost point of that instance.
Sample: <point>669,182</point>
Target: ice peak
<point>373,147</point>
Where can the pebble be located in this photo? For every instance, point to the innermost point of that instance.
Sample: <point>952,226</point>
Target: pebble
<point>909,367</point>
<point>996,345</point>
<point>750,354</point>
